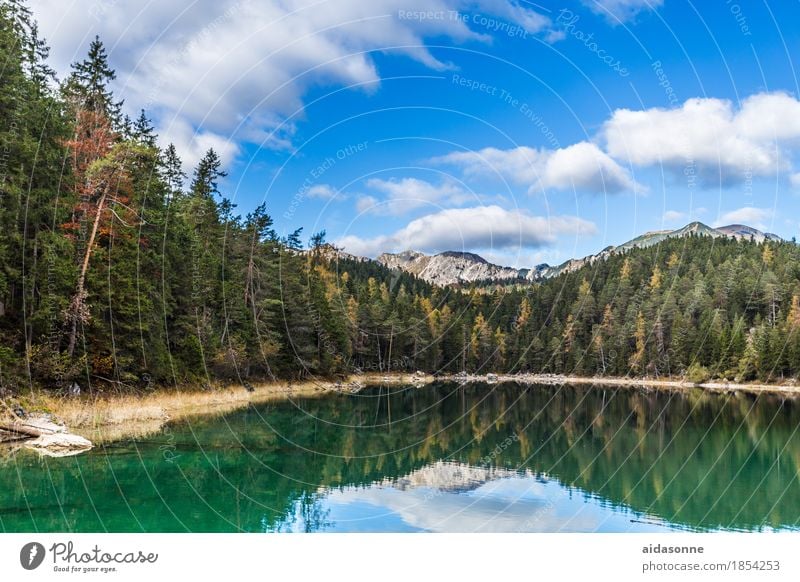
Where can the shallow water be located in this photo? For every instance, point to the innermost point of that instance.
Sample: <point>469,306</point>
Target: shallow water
<point>502,457</point>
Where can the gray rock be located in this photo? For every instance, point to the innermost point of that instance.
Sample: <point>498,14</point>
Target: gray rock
<point>60,444</point>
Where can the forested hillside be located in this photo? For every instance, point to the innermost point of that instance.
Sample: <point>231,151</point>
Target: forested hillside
<point>697,305</point>
<point>116,268</point>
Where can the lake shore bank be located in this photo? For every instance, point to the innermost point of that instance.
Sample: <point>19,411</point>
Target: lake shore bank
<point>656,383</point>
<point>109,416</point>
<point>112,417</point>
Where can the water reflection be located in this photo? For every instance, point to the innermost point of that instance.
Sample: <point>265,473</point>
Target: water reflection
<point>454,497</point>
<point>441,458</point>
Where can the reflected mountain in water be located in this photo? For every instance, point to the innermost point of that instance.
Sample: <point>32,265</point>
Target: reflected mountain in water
<point>453,477</point>
<point>500,457</point>
<point>456,497</point>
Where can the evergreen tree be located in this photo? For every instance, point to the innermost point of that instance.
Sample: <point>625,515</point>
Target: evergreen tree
<point>172,170</point>
<point>87,87</point>
<point>143,130</point>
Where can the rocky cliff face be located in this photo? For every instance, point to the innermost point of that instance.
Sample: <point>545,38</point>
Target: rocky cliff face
<point>741,231</point>
<point>453,477</point>
<point>452,268</point>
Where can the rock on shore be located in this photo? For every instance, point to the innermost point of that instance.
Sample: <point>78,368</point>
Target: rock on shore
<point>45,436</point>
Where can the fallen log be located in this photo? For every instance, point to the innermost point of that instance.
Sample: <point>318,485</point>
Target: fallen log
<point>20,428</point>
<point>48,438</point>
<point>10,437</point>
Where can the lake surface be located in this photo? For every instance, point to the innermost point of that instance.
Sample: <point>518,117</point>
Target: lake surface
<point>448,458</point>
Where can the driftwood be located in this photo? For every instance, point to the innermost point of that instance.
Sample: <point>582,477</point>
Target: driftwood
<point>20,428</point>
<point>47,438</point>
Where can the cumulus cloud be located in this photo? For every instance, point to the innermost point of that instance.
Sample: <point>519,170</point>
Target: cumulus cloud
<point>749,215</point>
<point>239,69</point>
<point>484,227</point>
<point>583,166</point>
<point>724,142</point>
<point>399,196</point>
<point>193,144</point>
<point>586,167</point>
<point>322,191</point>
<point>366,203</point>
<point>513,12</point>
<point>617,11</point>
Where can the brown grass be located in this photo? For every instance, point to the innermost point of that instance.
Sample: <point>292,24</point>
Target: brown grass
<point>112,417</point>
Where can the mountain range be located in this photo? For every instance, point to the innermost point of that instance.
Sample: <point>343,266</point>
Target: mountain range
<point>456,267</point>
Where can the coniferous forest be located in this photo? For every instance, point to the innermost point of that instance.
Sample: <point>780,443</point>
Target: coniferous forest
<point>118,268</point>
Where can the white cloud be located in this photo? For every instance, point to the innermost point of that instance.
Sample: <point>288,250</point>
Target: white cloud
<point>322,191</point>
<point>400,196</point>
<point>583,166</point>
<point>723,142</point>
<point>519,165</point>
<point>769,117</point>
<point>366,203</point>
<point>748,215</point>
<point>673,215</point>
<point>193,144</point>
<point>617,11</point>
<point>484,227</point>
<point>239,68</point>
<point>587,167</point>
<point>705,137</point>
<point>512,12</point>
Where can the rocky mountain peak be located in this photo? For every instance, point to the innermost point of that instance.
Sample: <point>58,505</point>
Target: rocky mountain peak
<point>459,267</point>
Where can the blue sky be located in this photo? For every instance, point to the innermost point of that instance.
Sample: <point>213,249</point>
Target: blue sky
<point>525,132</point>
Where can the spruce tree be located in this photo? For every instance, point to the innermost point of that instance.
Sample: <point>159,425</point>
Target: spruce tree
<point>88,84</point>
<point>143,130</point>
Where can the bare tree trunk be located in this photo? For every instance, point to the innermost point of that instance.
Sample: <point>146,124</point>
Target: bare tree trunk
<point>77,306</point>
<point>21,429</point>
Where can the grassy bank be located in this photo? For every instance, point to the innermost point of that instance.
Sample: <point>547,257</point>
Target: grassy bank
<point>111,417</point>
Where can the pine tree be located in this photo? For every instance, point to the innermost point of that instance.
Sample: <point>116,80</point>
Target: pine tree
<point>143,131</point>
<point>172,171</point>
<point>637,361</point>
<point>205,184</point>
<point>87,87</point>
<point>480,342</point>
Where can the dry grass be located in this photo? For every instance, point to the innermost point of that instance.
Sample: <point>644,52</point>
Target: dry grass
<point>107,418</point>
<point>111,417</point>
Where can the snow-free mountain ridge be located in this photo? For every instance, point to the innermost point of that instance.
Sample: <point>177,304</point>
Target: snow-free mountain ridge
<point>454,267</point>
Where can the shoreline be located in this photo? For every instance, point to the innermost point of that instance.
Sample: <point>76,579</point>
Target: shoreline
<point>629,382</point>
<point>112,417</point>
